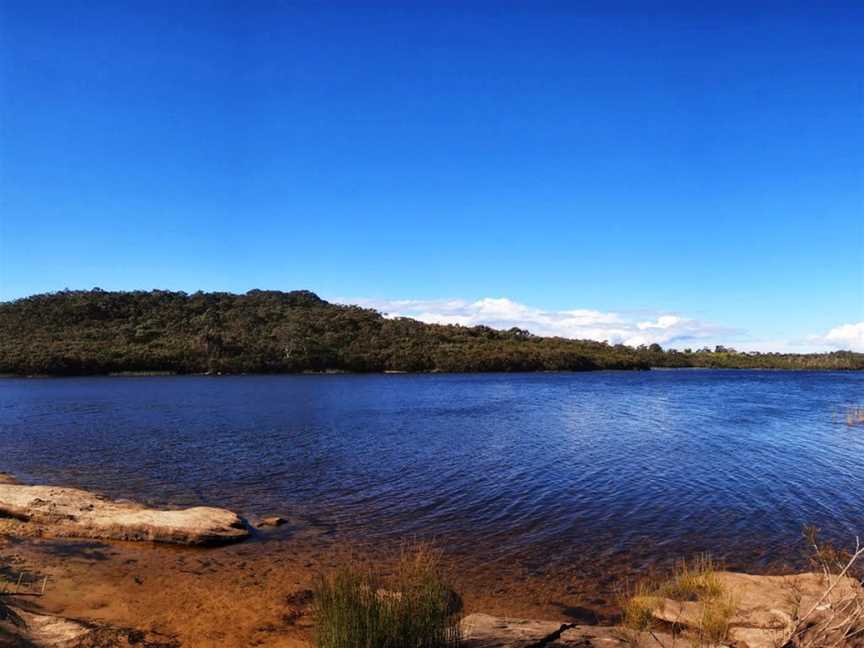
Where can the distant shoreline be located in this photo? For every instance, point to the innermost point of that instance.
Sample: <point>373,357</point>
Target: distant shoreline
<point>174,374</point>
<point>77,333</point>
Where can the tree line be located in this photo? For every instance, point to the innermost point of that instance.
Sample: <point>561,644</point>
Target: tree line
<point>100,332</point>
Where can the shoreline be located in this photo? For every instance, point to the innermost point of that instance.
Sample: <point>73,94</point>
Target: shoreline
<point>340,372</point>
<point>241,595</point>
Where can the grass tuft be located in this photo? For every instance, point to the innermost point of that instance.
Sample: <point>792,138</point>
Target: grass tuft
<point>637,609</point>
<point>717,613</point>
<point>411,608</point>
<point>692,581</point>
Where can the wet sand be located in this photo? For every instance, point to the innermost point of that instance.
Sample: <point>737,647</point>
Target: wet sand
<point>251,594</point>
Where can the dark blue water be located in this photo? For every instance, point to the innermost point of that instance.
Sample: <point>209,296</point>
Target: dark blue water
<point>536,466</point>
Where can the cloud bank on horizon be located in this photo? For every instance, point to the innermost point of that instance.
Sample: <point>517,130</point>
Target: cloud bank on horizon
<point>667,329</point>
<point>845,336</point>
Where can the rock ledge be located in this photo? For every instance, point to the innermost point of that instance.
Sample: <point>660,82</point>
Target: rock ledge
<point>69,512</point>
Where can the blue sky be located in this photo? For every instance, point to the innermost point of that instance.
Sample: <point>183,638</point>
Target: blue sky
<point>500,162</point>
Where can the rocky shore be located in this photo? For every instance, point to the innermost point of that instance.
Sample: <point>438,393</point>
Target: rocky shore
<point>768,614</point>
<point>69,512</point>
<point>806,610</point>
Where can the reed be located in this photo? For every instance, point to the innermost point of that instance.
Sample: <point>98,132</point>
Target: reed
<point>410,608</point>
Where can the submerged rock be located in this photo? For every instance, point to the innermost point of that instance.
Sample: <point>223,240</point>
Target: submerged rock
<point>272,521</point>
<point>69,512</point>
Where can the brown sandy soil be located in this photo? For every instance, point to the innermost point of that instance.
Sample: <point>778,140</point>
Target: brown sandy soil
<point>203,597</point>
<point>252,594</point>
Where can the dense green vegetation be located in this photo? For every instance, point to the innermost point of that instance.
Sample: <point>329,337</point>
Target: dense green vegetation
<point>95,332</point>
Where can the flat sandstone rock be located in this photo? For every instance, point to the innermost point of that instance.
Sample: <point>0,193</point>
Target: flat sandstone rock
<point>487,631</point>
<point>767,612</point>
<point>69,512</point>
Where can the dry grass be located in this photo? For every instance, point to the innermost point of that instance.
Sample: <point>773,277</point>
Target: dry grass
<point>824,555</point>
<point>637,608</point>
<point>693,582</point>
<point>359,607</point>
<point>716,619</point>
<point>836,619</point>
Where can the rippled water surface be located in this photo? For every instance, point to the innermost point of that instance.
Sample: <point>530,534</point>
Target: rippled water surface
<point>535,466</point>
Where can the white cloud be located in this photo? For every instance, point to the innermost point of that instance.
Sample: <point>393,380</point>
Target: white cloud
<point>670,330</point>
<point>663,322</point>
<point>846,336</point>
<point>581,323</point>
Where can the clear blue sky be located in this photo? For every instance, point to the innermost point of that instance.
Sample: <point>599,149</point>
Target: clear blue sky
<point>707,162</point>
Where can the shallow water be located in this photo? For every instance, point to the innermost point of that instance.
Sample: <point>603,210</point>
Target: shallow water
<point>535,468</point>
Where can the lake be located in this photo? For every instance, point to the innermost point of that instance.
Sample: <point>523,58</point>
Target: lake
<point>534,468</point>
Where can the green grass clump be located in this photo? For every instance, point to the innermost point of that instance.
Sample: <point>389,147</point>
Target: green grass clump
<point>411,608</point>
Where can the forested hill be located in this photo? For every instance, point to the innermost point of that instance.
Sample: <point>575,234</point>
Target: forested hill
<point>96,332</point>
